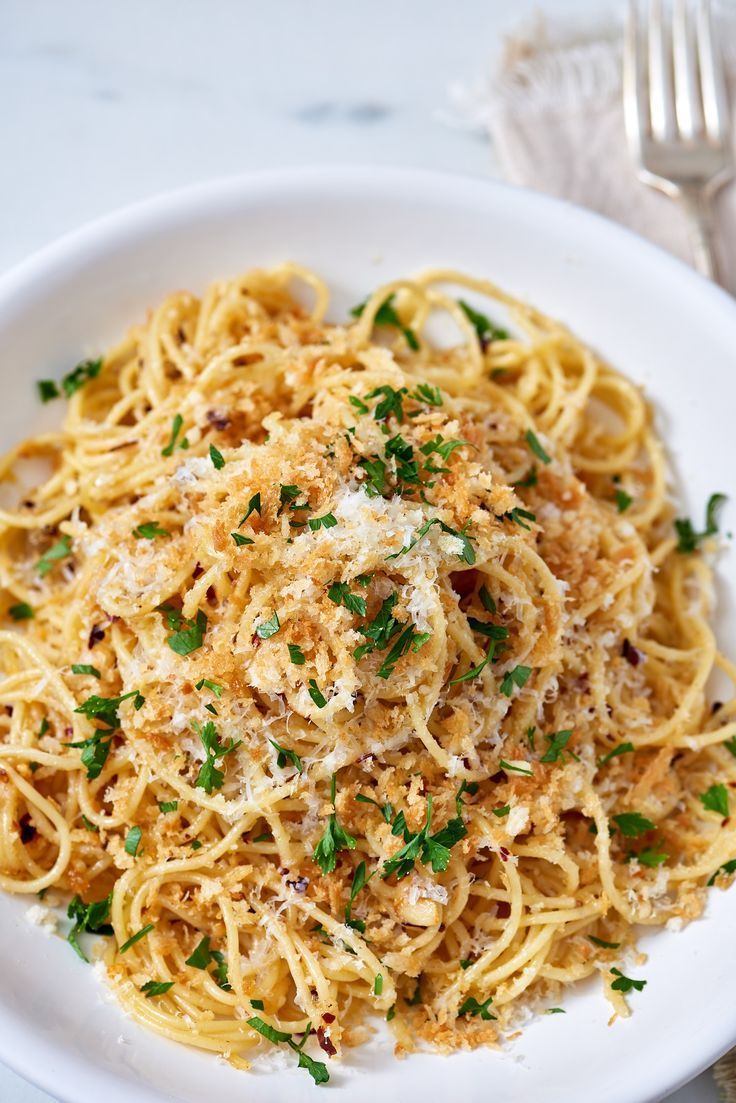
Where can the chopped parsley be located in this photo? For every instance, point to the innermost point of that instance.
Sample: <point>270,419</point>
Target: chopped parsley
<point>149,530</point>
<point>510,768</point>
<point>622,748</point>
<point>89,825</point>
<point>358,405</point>
<point>21,611</point>
<point>432,396</point>
<point>467,554</point>
<point>633,824</point>
<point>47,390</point>
<point>296,655</point>
<point>217,458</point>
<point>60,550</point>
<point>316,1069</point>
<point>189,638</point>
<point>556,1011</point>
<point>602,943</point>
<point>687,538</point>
<point>483,326</point>
<point>327,522</point>
<point>502,811</point>
<point>443,448</point>
<point>316,694</point>
<point>254,506</point>
<point>205,683</point>
<point>493,631</point>
<point>136,938</point>
<point>268,628</point>
<point>201,955</point>
<point>530,479</point>
<point>623,500</point>
<point>520,517</point>
<point>470,1006</point>
<point>359,882</point>
<point>378,984</point>
<point>715,799</point>
<point>96,748</point>
<point>168,805</point>
<point>726,868</point>
<point>85,668</point>
<point>375,470</point>
<point>240,540</point>
<point>84,371</point>
<point>518,677</point>
<point>334,839</point>
<point>176,425</point>
<point>651,857</point>
<point>209,776</point>
<point>133,841</point>
<point>486,600</point>
<point>625,984</point>
<point>386,315</point>
<point>386,809</point>
<point>156,988</point>
<point>284,755</point>
<point>433,850</point>
<point>339,593</point>
<point>557,742</point>
<point>476,670</point>
<point>391,402</point>
<point>88,917</point>
<point>534,446</point>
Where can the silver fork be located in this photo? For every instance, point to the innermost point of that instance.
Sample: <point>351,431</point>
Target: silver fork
<point>676,112</point>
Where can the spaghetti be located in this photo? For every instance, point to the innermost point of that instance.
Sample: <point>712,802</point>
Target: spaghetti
<point>349,673</point>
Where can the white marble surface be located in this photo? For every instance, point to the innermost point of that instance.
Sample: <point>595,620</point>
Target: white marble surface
<point>105,103</point>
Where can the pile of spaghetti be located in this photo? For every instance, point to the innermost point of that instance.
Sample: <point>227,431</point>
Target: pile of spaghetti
<point>346,673</point>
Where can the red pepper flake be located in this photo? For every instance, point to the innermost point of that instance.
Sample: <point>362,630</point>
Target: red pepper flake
<point>328,1017</point>
<point>96,636</point>
<point>325,1042</point>
<point>632,654</point>
<point>464,582</point>
<point>503,909</point>
<point>219,419</point>
<point>504,854</point>
<point>26,829</point>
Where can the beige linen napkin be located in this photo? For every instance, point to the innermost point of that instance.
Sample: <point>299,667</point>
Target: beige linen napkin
<point>555,118</point>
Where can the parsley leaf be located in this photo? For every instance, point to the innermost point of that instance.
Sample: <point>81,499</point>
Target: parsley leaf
<point>386,315</point>
<point>434,849</point>
<point>240,540</point>
<point>316,694</point>
<point>136,938</point>
<point>557,742</point>
<point>358,405</point>
<point>327,522</point>
<point>623,500</point>
<point>467,554</point>
<point>47,390</point>
<point>209,776</point>
<point>88,917</point>
<point>602,943</point>
<point>296,654</point>
<point>133,841</point>
<point>727,867</point>
<point>254,506</point>
<point>533,441</point>
<point>622,748</point>
<point>471,1007</point>
<point>156,988</point>
<point>386,809</point>
<point>516,677</point>
<point>85,668</point>
<point>268,628</point>
<point>517,514</point>
<point>60,550</point>
<point>176,425</point>
<point>334,839</point>
<point>715,799</point>
<point>205,683</point>
<point>509,767</point>
<point>625,984</point>
<point>476,670</point>
<point>316,1069</point>
<point>149,530</point>
<point>286,755</point>
<point>168,805</point>
<point>651,857</point>
<point>391,402</point>
<point>21,611</point>
<point>687,538</point>
<point>85,370</point>
<point>432,396</point>
<point>632,824</point>
<point>188,639</point>
<point>105,709</point>
<point>503,811</point>
<point>201,955</point>
<point>483,326</point>
<point>339,593</point>
<point>217,458</point>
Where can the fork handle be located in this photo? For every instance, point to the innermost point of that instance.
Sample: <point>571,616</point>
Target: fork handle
<point>698,206</point>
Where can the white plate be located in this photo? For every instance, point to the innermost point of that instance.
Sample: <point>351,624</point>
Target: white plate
<point>651,317</point>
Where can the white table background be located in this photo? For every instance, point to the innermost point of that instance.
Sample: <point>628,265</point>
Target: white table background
<point>104,103</point>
